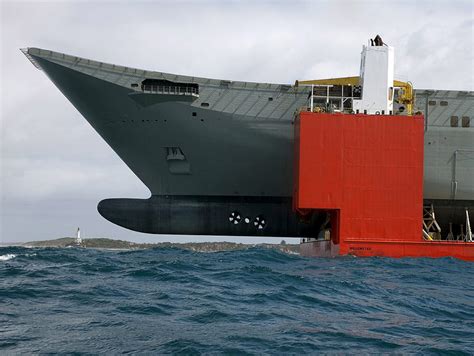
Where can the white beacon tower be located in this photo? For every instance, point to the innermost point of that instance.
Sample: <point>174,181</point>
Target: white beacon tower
<point>78,237</point>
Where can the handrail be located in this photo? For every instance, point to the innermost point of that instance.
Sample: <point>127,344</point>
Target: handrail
<point>406,95</point>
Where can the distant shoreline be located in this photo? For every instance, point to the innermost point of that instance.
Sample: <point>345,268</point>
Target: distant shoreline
<point>12,244</point>
<point>111,244</point>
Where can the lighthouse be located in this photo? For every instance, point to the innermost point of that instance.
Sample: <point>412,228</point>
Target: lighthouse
<point>78,237</point>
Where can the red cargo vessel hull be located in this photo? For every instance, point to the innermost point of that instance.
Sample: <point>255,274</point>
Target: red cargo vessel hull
<point>366,172</point>
<point>432,249</point>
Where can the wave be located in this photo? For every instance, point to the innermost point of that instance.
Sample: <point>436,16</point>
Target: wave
<point>7,257</point>
<point>253,301</point>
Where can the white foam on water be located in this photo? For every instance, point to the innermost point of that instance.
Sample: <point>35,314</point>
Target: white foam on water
<point>7,257</point>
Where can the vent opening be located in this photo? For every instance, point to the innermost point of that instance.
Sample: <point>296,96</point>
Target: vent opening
<point>466,121</point>
<point>177,162</point>
<point>225,84</point>
<point>454,121</point>
<point>174,153</point>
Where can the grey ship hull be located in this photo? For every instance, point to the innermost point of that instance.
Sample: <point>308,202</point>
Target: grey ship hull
<point>230,148</point>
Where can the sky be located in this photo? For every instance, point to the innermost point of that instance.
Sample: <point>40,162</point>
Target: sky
<point>54,168</point>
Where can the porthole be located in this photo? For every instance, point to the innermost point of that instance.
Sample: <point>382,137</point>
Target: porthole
<point>260,222</point>
<point>194,113</point>
<point>234,217</point>
<point>205,105</point>
<point>270,99</point>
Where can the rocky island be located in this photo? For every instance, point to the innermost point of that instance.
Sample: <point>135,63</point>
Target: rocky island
<point>106,243</point>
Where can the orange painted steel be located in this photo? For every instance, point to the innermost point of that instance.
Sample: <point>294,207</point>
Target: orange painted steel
<point>367,172</point>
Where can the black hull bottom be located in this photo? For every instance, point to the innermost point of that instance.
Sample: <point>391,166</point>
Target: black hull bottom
<point>210,215</point>
<point>239,216</point>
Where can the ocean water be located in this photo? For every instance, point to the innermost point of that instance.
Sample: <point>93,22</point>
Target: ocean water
<point>257,301</point>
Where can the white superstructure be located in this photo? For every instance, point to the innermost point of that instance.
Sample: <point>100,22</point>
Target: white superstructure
<point>376,78</point>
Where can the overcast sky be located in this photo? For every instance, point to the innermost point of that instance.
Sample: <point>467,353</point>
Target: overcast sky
<point>54,166</point>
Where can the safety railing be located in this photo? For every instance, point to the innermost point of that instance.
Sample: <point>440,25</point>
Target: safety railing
<point>332,98</point>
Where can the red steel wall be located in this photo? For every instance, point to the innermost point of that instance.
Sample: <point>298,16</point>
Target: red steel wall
<point>367,169</point>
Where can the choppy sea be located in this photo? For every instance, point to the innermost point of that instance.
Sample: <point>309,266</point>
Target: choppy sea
<point>256,301</point>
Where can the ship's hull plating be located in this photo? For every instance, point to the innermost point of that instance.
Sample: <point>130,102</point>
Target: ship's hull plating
<point>209,215</point>
<point>237,152</point>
